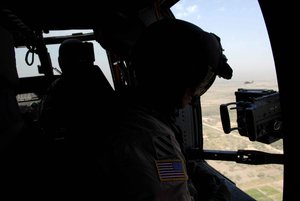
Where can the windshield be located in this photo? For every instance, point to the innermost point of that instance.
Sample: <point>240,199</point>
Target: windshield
<point>25,70</point>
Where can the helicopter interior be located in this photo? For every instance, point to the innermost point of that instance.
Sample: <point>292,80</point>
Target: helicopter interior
<point>116,25</point>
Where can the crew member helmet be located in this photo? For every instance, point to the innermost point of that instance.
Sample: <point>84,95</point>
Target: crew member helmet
<point>173,53</point>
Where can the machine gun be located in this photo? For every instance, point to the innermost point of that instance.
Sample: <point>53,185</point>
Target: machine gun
<point>258,115</point>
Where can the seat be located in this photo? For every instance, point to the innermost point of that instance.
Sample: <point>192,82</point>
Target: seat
<point>72,102</point>
<point>74,114</point>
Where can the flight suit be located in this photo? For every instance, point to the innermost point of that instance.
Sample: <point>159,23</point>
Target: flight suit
<point>143,160</point>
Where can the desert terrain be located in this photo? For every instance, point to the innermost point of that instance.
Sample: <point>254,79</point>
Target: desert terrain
<point>262,182</point>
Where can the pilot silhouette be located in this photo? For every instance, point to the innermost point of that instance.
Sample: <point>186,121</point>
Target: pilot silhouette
<point>73,98</point>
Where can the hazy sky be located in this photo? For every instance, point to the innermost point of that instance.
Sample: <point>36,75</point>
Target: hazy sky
<point>240,25</point>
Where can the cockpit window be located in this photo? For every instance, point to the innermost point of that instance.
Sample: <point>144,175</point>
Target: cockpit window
<point>25,70</point>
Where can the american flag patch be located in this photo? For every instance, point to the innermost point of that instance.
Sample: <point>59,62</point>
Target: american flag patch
<point>171,170</point>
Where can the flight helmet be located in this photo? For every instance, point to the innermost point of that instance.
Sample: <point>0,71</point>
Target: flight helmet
<point>173,54</point>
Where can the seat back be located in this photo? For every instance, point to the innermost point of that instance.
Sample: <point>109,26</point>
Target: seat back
<point>73,100</point>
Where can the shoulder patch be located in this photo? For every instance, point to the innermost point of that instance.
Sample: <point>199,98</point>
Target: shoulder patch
<point>171,170</point>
